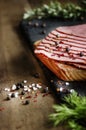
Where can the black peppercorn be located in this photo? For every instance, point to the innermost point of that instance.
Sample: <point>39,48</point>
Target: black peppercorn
<point>36,24</point>
<point>36,75</point>
<point>8,98</point>
<point>56,43</point>
<point>19,85</point>
<point>67,49</point>
<point>22,93</point>
<point>43,25</point>
<point>44,32</point>
<point>81,54</point>
<point>13,95</point>
<point>26,102</point>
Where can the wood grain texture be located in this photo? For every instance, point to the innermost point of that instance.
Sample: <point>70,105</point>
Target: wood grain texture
<point>16,64</point>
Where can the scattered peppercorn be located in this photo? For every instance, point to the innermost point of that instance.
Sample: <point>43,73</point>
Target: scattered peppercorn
<point>56,43</point>
<point>44,32</point>
<point>51,81</point>
<point>58,36</point>
<point>36,75</point>
<point>63,90</point>
<point>67,83</point>
<point>45,90</point>
<point>29,97</point>
<point>71,90</point>
<point>30,91</point>
<point>26,102</point>
<point>36,24</point>
<point>67,49</point>
<point>8,98</point>
<point>22,93</point>
<point>14,87</point>
<point>29,23</point>
<point>43,25</point>
<point>62,54</point>
<point>19,85</point>
<point>13,95</point>
<point>61,42</point>
<point>25,81</point>
<point>44,95</point>
<point>81,54</point>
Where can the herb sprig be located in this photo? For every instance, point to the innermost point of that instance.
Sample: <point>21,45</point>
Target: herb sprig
<point>57,9</point>
<point>72,112</point>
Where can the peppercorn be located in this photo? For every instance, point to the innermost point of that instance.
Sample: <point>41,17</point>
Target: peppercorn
<point>36,75</point>
<point>13,95</point>
<point>67,49</point>
<point>44,32</point>
<point>14,87</point>
<point>29,23</point>
<point>8,98</point>
<point>45,90</point>
<point>26,102</point>
<point>19,85</point>
<point>22,93</point>
<point>25,81</point>
<point>43,25</point>
<point>58,36</point>
<point>81,54</point>
<point>51,81</point>
<point>36,24</point>
<point>56,43</point>
<point>67,83</point>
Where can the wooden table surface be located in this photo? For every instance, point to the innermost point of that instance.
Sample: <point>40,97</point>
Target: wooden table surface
<point>17,64</point>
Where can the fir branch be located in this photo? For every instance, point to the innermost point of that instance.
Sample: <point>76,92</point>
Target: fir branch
<point>72,112</point>
<point>56,9</point>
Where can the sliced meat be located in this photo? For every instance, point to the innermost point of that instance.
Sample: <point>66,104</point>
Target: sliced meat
<point>75,30</point>
<point>65,46</point>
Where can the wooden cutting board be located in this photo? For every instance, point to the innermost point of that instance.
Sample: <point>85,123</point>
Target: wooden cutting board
<point>37,29</point>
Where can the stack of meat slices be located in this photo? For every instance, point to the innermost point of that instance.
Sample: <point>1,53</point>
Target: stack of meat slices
<point>63,51</point>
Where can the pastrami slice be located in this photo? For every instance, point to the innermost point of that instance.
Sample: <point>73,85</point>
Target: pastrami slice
<point>65,44</point>
<point>63,51</point>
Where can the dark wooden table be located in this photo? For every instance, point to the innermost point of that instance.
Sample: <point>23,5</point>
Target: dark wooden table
<point>17,64</point>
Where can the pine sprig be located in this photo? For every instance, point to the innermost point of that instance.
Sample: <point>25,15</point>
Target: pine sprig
<point>56,9</point>
<point>72,112</point>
